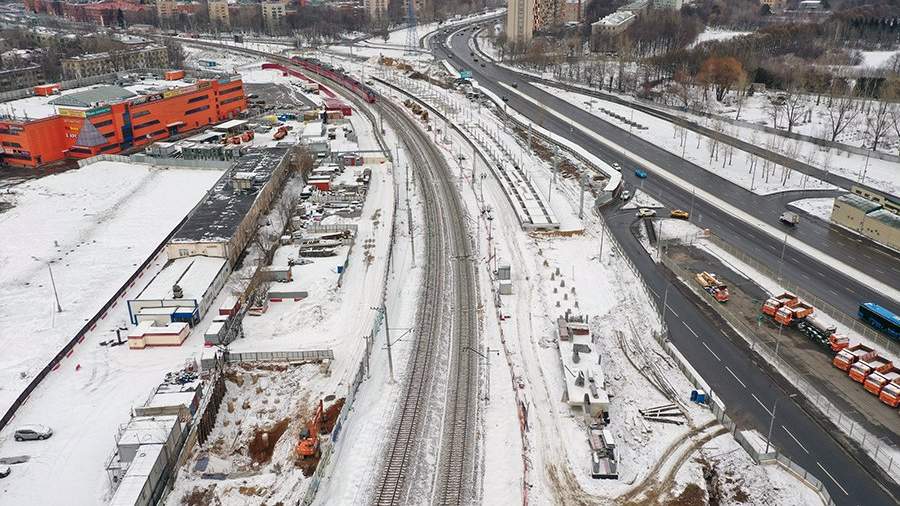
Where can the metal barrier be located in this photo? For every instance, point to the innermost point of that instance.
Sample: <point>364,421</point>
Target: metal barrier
<point>881,453</point>
<point>279,356</point>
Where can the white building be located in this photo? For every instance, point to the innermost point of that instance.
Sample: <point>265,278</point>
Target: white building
<point>668,4</point>
<point>520,21</point>
<point>613,24</point>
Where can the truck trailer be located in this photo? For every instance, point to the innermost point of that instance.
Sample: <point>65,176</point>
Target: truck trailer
<point>790,315</point>
<point>850,355</point>
<point>712,285</point>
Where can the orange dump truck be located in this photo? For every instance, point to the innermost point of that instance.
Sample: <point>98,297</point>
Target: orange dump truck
<point>773,304</point>
<point>838,342</point>
<point>862,369</point>
<point>789,315</point>
<point>850,355</point>
<point>890,393</point>
<point>878,380</point>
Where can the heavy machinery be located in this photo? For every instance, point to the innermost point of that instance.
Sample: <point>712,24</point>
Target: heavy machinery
<point>852,354</point>
<point>878,380</point>
<point>862,369</point>
<point>712,285</point>
<point>308,446</point>
<point>890,393</point>
<point>773,304</point>
<point>281,133</point>
<point>824,334</point>
<point>790,315</point>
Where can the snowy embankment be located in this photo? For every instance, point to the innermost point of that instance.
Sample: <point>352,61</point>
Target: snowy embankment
<point>739,167</point>
<point>819,207</point>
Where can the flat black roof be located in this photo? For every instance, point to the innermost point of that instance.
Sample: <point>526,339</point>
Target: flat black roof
<point>218,216</point>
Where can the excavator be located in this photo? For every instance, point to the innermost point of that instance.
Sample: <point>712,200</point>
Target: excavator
<point>308,446</point>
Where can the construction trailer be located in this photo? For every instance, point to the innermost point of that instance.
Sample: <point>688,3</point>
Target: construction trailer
<point>877,380</point>
<point>890,393</point>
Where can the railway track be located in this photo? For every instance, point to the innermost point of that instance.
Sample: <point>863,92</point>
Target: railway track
<point>449,263</point>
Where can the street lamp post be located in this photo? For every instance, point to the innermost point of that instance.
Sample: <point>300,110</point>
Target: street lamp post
<point>772,420</point>
<point>387,336</point>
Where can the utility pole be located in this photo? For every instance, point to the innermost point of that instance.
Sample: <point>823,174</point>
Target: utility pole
<point>772,421</point>
<point>553,177</point>
<point>581,200</point>
<point>55,294</point>
<point>387,335</point>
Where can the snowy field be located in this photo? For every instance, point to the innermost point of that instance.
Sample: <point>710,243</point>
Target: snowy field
<point>83,223</point>
<point>96,225</point>
<point>736,166</point>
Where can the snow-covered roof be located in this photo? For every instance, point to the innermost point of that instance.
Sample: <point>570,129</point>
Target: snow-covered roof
<point>217,218</point>
<point>616,18</point>
<point>865,205</point>
<point>193,274</point>
<point>228,125</point>
<point>886,217</point>
<point>132,484</point>
<point>146,430</point>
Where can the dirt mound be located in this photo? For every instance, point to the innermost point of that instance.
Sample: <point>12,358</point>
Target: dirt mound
<point>263,443</point>
<point>201,497</point>
<point>692,495</point>
<point>329,418</point>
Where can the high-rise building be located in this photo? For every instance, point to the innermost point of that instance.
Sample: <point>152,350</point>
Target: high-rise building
<point>520,20</point>
<point>218,13</point>
<point>273,13</point>
<point>166,8</point>
<point>546,13</point>
<point>377,9</point>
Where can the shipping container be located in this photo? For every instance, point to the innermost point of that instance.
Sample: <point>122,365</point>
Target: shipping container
<point>174,75</point>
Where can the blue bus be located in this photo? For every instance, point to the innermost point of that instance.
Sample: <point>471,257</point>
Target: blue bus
<point>880,318</point>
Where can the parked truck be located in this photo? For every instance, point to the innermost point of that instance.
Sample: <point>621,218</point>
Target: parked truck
<point>890,394</point>
<point>773,304</point>
<point>862,369</point>
<point>790,315</point>
<point>712,285</point>
<point>852,354</point>
<point>824,334</point>
<point>789,217</point>
<point>878,380</point>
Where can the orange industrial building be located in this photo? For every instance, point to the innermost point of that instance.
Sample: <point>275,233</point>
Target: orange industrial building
<point>110,119</point>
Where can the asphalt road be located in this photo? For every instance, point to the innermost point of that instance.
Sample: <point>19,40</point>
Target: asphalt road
<point>748,389</point>
<point>823,280</point>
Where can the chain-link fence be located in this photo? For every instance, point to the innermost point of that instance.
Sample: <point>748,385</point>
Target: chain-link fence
<point>883,453</point>
<point>850,321</point>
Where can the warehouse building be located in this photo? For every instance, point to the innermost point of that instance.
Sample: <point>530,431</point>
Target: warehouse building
<point>109,119</point>
<point>144,447</point>
<point>222,225</point>
<point>868,217</point>
<point>180,293</point>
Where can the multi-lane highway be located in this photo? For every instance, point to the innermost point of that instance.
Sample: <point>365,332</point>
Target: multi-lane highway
<point>748,389</point>
<point>822,279</point>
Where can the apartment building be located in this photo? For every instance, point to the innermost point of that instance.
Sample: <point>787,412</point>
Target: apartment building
<point>520,21</point>
<point>24,77</point>
<point>273,13</point>
<point>87,65</point>
<point>376,9</point>
<point>166,8</point>
<point>218,13</point>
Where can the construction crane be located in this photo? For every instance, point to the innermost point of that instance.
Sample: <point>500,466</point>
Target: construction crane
<point>308,446</point>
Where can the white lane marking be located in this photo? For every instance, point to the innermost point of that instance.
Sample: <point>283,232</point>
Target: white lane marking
<point>832,479</point>
<point>692,330</point>
<point>761,404</point>
<point>735,376</point>
<point>794,438</point>
<point>759,225</point>
<point>713,353</point>
<point>672,310</point>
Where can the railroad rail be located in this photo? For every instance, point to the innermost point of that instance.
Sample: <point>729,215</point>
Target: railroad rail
<point>449,262</point>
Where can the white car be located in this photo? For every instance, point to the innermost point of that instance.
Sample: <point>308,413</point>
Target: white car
<point>626,195</point>
<point>645,212</point>
<point>616,165</point>
<point>32,432</point>
<point>4,471</point>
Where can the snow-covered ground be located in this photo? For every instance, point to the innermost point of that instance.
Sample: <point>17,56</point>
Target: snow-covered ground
<point>819,207</point>
<point>96,224</point>
<point>712,33</point>
<point>739,167</point>
<point>877,59</point>
<point>82,223</point>
<point>641,199</point>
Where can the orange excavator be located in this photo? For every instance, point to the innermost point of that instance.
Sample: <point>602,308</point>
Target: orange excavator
<point>308,446</point>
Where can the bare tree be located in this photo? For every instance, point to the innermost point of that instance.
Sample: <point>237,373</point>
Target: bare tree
<point>878,122</point>
<point>841,114</point>
<point>895,122</point>
<point>774,108</point>
<point>795,105</point>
